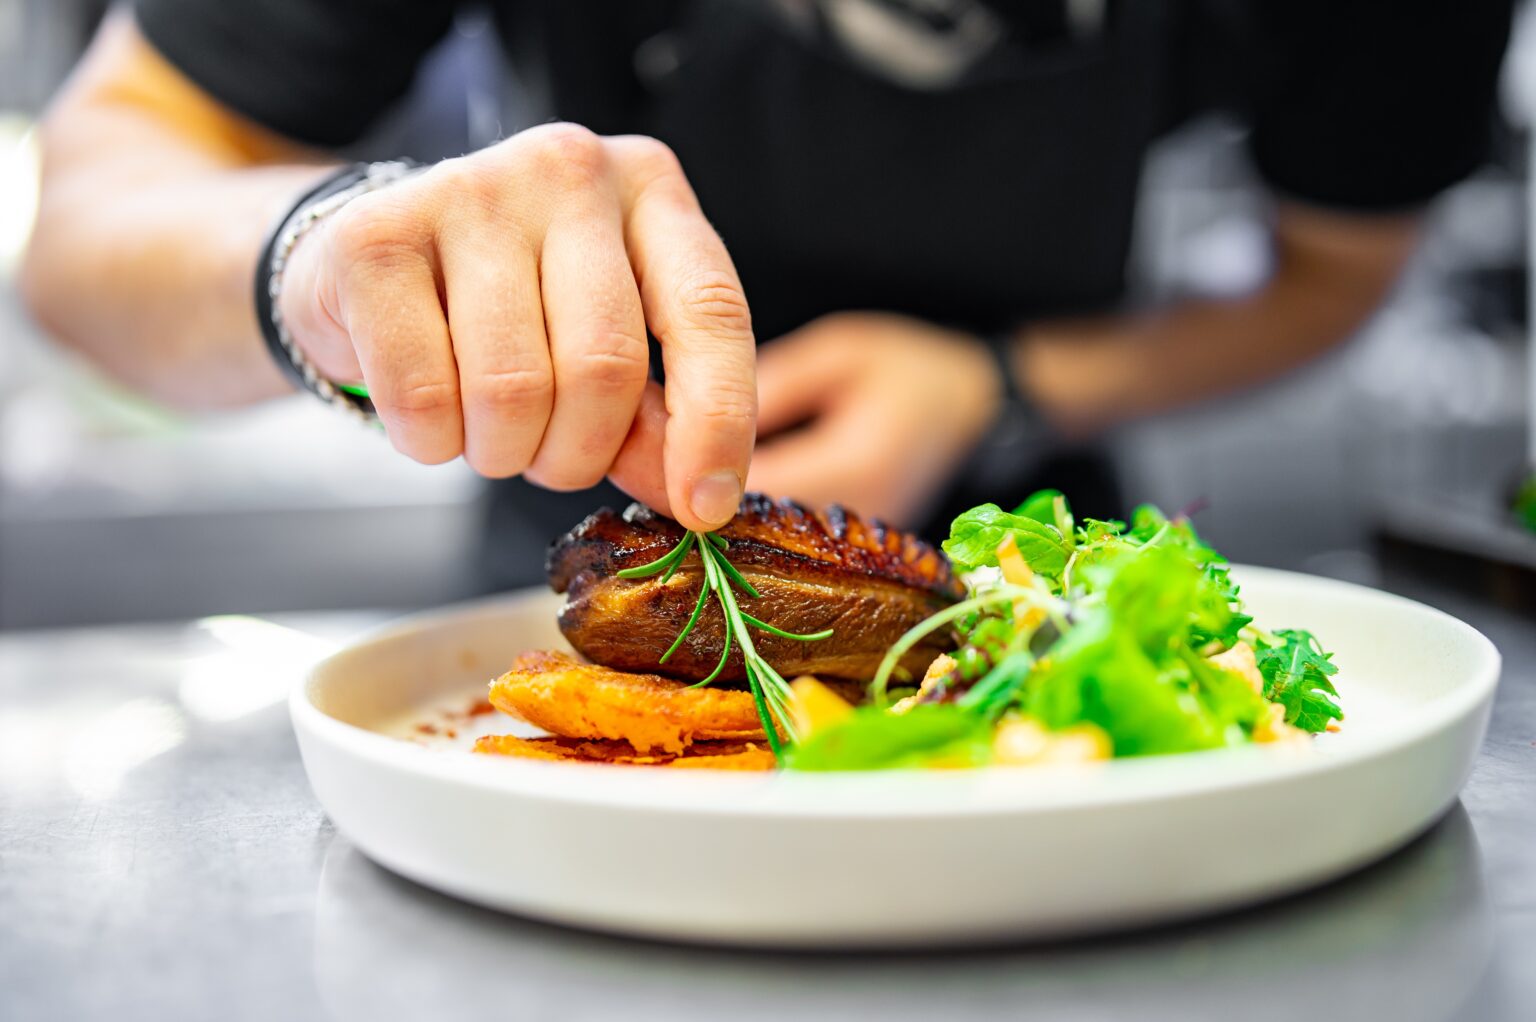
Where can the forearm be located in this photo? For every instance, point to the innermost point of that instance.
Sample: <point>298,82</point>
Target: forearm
<point>155,283</point>
<point>1331,275</point>
<point>145,247</point>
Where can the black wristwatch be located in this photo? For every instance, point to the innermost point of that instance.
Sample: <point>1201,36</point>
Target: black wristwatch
<point>1019,436</point>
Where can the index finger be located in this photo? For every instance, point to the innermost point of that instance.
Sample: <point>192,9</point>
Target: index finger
<point>695,306</point>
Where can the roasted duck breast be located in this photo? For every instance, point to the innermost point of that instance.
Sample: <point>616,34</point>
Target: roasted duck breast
<point>814,570</point>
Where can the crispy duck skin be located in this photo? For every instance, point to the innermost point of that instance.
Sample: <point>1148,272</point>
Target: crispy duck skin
<point>815,570</point>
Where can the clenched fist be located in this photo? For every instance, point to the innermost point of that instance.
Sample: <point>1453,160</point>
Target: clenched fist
<point>497,306</point>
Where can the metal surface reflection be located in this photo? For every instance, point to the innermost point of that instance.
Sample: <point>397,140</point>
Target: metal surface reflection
<point>98,754</point>
<point>254,667</point>
<point>1408,939</point>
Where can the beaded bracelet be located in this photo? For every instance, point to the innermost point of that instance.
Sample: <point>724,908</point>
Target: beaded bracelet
<point>321,202</point>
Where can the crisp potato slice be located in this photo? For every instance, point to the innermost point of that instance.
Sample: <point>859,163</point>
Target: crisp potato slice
<point>725,756</point>
<point>708,755</point>
<point>565,750</point>
<point>562,695</point>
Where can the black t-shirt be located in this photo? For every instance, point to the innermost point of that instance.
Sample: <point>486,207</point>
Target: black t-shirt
<point>970,163</point>
<point>1001,193</point>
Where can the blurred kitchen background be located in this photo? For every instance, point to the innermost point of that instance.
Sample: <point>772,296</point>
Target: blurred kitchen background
<point>112,509</point>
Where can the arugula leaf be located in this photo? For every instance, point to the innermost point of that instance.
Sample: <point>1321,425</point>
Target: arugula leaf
<point>975,536</point>
<point>1298,675</point>
<point>872,738</point>
<point>1225,626</point>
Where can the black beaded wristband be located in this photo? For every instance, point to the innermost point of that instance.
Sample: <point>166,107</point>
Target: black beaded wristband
<point>320,201</point>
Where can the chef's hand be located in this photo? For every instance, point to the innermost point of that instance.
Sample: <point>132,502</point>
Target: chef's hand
<point>887,408</point>
<point>497,305</point>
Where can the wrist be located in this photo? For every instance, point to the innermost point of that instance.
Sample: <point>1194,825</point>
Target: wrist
<point>1018,435</point>
<point>1046,373</point>
<point>272,273</point>
<point>1087,375</point>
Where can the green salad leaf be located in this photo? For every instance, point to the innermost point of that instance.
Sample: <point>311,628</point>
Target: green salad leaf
<point>1048,507</point>
<point>870,738</point>
<point>1116,631</point>
<point>1298,675</point>
<point>975,536</point>
<point>1130,663</point>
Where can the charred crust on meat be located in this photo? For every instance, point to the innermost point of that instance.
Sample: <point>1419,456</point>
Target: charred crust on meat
<point>815,570</point>
<point>780,537</point>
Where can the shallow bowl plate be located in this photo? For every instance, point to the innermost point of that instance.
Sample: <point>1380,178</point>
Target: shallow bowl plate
<point>894,859</point>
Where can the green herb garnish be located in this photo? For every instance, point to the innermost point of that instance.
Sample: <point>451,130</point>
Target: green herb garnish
<point>720,578</point>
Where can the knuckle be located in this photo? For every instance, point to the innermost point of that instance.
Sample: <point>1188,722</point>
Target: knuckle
<point>494,464</point>
<point>654,156</point>
<point>427,447</point>
<point>510,390</point>
<point>421,398</point>
<point>568,154</point>
<point>715,300</point>
<point>370,232</point>
<point>469,180</point>
<point>657,171</point>
<point>616,362</point>
<point>566,479</point>
<point>429,455</point>
<point>731,409</point>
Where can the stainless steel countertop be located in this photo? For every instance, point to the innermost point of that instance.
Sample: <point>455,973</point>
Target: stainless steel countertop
<point>161,857</point>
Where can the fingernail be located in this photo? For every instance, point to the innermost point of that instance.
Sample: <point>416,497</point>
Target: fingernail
<point>716,497</point>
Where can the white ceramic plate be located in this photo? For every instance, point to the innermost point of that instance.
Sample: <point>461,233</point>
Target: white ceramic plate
<point>897,858</point>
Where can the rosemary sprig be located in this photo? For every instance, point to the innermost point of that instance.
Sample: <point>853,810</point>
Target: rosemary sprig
<point>720,578</point>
